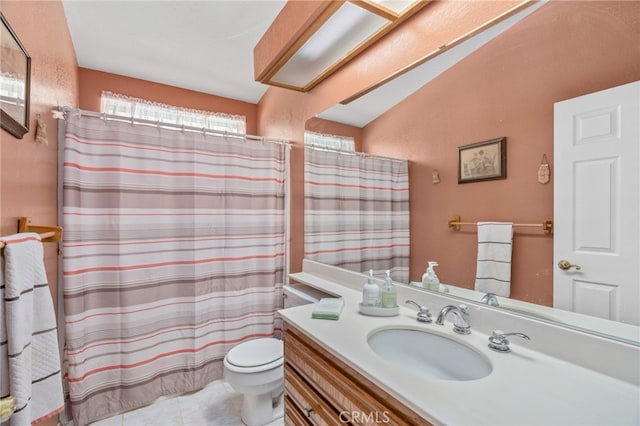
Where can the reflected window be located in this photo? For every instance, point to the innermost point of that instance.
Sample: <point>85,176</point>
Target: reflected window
<point>12,89</point>
<point>327,141</point>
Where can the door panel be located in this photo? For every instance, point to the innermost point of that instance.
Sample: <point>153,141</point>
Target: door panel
<point>595,227</point>
<point>596,299</point>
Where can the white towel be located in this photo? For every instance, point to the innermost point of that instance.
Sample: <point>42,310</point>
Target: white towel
<point>493,271</point>
<point>29,349</point>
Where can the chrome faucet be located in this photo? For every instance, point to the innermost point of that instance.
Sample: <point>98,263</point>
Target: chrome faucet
<point>499,343</point>
<point>490,299</point>
<point>461,323</point>
<point>423,312</point>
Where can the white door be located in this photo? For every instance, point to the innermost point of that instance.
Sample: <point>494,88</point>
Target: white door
<point>597,204</point>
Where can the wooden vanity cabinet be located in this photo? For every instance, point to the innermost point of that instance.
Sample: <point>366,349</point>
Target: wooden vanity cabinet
<point>322,390</point>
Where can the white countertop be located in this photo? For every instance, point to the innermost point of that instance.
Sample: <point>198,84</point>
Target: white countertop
<point>525,387</point>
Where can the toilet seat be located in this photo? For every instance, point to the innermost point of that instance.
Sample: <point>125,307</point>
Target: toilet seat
<point>255,369</point>
<point>255,355</point>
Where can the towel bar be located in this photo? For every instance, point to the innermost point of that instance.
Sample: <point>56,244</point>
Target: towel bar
<point>48,234</point>
<point>455,223</point>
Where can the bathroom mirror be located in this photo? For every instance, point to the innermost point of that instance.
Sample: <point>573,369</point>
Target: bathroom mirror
<point>15,75</point>
<point>448,88</point>
<point>606,328</point>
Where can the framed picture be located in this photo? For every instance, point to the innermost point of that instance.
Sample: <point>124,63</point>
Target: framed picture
<point>485,160</point>
<point>15,79</point>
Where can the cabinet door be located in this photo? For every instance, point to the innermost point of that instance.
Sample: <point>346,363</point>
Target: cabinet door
<point>313,409</point>
<point>292,414</point>
<point>336,393</point>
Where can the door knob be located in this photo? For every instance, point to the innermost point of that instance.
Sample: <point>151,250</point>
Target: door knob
<point>565,265</point>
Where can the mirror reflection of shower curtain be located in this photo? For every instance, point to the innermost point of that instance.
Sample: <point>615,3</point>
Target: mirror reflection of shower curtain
<point>356,212</point>
<point>174,251</point>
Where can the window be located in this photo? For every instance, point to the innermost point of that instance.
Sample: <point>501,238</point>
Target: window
<point>126,107</point>
<point>323,140</point>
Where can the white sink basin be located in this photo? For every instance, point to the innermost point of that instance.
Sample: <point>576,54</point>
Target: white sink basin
<point>430,355</point>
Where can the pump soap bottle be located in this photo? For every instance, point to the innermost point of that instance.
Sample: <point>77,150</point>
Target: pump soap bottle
<point>388,294</point>
<point>371,292</point>
<point>430,280</point>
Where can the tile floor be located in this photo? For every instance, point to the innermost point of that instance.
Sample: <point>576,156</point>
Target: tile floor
<point>216,405</point>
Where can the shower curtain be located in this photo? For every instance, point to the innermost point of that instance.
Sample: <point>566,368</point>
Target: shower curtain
<point>356,212</point>
<point>174,246</point>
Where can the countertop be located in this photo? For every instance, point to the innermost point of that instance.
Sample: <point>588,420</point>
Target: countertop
<point>525,387</point>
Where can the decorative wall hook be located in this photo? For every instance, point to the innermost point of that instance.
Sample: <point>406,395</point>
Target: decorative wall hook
<point>41,131</point>
<point>544,171</point>
<point>435,176</point>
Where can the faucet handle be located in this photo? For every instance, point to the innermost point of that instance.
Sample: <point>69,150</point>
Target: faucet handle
<point>423,312</point>
<point>490,299</point>
<point>461,323</point>
<point>462,320</point>
<point>498,340</point>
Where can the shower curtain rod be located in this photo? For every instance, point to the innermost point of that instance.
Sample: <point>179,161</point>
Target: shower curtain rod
<point>361,154</point>
<point>105,116</point>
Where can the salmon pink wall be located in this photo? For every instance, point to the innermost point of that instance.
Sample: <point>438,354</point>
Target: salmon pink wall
<point>93,83</point>
<point>28,170</point>
<point>506,88</point>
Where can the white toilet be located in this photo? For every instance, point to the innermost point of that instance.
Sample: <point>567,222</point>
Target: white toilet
<point>255,369</point>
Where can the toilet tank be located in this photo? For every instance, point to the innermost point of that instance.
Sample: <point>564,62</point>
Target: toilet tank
<point>299,294</point>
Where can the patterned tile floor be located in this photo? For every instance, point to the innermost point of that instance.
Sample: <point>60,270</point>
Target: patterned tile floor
<point>216,405</point>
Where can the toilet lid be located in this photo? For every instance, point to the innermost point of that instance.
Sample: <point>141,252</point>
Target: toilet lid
<point>256,352</point>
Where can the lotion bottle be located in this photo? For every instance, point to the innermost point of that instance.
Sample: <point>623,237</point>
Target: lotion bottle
<point>430,280</point>
<point>371,292</point>
<point>388,294</point>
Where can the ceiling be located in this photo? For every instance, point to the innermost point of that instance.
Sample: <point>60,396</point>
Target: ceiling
<point>206,46</point>
<point>362,111</point>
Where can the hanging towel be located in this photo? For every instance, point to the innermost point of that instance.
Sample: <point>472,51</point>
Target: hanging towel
<point>493,271</point>
<point>29,350</point>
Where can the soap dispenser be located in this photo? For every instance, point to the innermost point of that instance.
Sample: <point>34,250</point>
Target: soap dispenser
<point>430,280</point>
<point>371,292</point>
<point>388,294</point>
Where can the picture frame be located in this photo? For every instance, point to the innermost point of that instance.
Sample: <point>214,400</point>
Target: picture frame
<point>15,82</point>
<point>481,161</point>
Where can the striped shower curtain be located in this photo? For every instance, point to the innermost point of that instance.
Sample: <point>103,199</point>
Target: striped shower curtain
<point>356,212</point>
<point>174,252</point>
